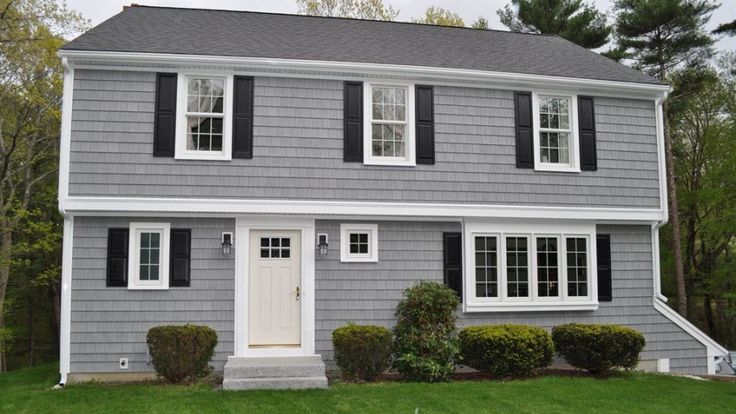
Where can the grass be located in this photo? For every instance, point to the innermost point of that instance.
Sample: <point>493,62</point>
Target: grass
<point>28,391</point>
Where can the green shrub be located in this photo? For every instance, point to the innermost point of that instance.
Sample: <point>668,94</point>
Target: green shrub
<point>506,350</point>
<point>425,339</point>
<point>362,351</point>
<point>598,348</point>
<point>181,353</point>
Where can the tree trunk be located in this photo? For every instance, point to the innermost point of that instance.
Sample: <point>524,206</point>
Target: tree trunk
<point>674,217</point>
<point>708,313</point>
<point>6,244</point>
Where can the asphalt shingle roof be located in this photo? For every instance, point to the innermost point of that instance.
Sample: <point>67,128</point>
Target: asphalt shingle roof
<point>267,35</point>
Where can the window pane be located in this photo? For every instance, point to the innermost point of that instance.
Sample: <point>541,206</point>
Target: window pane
<point>486,270</point>
<point>153,272</point>
<point>517,267</point>
<point>577,269</point>
<point>547,270</point>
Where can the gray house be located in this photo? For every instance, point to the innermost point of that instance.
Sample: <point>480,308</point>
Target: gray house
<point>275,177</point>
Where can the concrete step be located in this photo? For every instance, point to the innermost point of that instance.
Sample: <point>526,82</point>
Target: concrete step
<point>274,367</point>
<point>280,383</point>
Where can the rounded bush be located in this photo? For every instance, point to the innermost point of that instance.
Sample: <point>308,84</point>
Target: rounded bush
<point>598,348</point>
<point>181,353</point>
<point>425,339</point>
<point>506,350</point>
<point>362,351</point>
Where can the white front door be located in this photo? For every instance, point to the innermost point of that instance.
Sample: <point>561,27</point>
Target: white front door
<point>274,310</point>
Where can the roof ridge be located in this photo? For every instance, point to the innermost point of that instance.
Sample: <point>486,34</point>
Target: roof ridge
<point>133,5</point>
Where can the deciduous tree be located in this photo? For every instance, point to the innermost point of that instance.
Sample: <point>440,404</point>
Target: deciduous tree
<point>356,9</point>
<point>440,17</point>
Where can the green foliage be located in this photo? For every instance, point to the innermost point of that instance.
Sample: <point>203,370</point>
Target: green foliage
<point>506,350</point>
<point>481,23</point>
<point>728,29</point>
<point>599,349</point>
<point>425,338</point>
<point>439,16</point>
<point>362,351</point>
<point>570,19</point>
<point>181,353</point>
<point>356,9</point>
<point>661,34</point>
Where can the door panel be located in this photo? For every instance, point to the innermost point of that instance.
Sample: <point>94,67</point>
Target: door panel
<point>274,280</point>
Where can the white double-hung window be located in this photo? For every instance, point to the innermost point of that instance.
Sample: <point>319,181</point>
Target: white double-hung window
<point>530,266</point>
<point>204,108</point>
<point>389,124</point>
<point>555,132</point>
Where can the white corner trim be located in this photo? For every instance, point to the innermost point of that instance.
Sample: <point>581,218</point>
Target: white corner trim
<point>154,205</point>
<point>243,226</point>
<point>661,158</point>
<point>66,299</point>
<point>359,68</point>
<point>346,229</point>
<point>66,131</point>
<point>134,282</point>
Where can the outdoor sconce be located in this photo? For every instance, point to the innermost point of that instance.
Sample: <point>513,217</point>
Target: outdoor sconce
<point>322,244</point>
<point>227,243</point>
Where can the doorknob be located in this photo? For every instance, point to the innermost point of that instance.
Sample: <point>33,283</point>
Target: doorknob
<point>298,293</point>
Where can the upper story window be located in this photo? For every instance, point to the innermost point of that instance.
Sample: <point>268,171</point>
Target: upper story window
<point>555,133</point>
<point>530,266</point>
<point>389,126</point>
<point>204,117</point>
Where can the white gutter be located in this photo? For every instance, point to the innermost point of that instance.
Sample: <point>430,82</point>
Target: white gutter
<point>497,78</point>
<point>714,351</point>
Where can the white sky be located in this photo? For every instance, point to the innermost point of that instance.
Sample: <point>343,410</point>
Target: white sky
<point>99,10</point>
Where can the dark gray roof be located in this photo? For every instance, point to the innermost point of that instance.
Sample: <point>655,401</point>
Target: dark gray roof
<point>267,35</point>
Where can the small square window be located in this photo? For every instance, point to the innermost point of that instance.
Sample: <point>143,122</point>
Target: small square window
<point>359,243</point>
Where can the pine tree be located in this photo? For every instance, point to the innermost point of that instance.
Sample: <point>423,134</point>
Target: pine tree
<point>660,35</point>
<point>571,19</point>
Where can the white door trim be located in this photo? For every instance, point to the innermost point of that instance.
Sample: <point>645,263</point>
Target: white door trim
<point>241,244</point>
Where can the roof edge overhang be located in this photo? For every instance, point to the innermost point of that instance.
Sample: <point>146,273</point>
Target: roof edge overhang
<point>505,80</point>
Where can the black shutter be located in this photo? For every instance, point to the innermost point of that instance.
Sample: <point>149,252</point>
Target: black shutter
<point>243,117</point>
<point>453,261</point>
<point>425,124</point>
<point>524,130</point>
<point>586,115</point>
<point>605,288</point>
<point>117,257</point>
<point>353,127</point>
<point>164,121</point>
<point>179,263</point>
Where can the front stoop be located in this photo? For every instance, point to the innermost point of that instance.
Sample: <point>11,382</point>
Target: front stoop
<point>274,373</point>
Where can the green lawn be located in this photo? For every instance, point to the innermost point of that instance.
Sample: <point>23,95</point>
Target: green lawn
<point>28,391</point>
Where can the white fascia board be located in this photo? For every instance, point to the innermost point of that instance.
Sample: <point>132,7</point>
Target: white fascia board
<point>652,91</point>
<point>103,205</point>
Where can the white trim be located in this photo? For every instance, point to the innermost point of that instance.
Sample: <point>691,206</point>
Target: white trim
<point>348,228</point>
<point>243,226</point>
<point>181,153</point>
<point>531,229</point>
<point>409,160</point>
<point>134,282</point>
<point>66,300</point>
<point>96,205</point>
<point>512,80</point>
<point>574,142</point>
<point>661,158</point>
<point>66,129</point>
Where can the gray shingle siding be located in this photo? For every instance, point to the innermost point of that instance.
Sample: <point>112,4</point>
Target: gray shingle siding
<point>110,323</point>
<point>412,251</point>
<point>298,150</point>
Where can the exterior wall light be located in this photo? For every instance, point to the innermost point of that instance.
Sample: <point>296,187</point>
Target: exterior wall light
<point>322,244</point>
<point>227,243</point>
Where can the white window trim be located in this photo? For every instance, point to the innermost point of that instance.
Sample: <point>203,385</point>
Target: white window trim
<point>346,229</point>
<point>574,165</point>
<point>409,138</point>
<point>180,148</point>
<point>531,229</point>
<point>134,253</point>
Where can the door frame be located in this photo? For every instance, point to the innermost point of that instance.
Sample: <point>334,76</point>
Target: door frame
<point>241,244</point>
